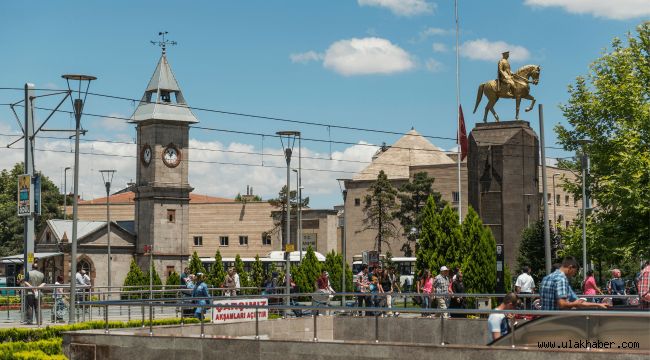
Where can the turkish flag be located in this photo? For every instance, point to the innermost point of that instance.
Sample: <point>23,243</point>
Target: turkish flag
<point>462,138</point>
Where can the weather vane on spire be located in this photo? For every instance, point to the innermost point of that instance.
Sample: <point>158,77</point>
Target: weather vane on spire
<point>162,43</point>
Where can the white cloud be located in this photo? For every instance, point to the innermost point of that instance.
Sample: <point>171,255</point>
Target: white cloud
<point>434,66</point>
<point>51,86</point>
<point>371,32</point>
<point>438,47</point>
<point>402,7</point>
<point>609,9</point>
<point>482,49</point>
<point>434,31</point>
<point>113,122</point>
<point>304,58</point>
<point>124,137</point>
<point>367,56</point>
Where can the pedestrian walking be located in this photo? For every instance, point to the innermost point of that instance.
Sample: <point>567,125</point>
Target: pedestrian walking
<point>498,324</point>
<point>644,287</point>
<point>34,278</point>
<point>321,287</point>
<point>617,287</point>
<point>458,302</point>
<point>200,291</point>
<point>59,300</point>
<point>591,288</point>
<point>554,291</point>
<point>441,285</point>
<point>230,284</point>
<point>425,286</point>
<point>184,276</point>
<point>395,285</point>
<point>525,284</point>
<point>387,290</point>
<point>363,287</point>
<point>235,274</point>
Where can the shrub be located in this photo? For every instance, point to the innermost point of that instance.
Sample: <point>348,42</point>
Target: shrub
<point>133,278</point>
<point>173,279</point>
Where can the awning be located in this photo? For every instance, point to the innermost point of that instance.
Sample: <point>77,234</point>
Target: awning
<point>18,259</point>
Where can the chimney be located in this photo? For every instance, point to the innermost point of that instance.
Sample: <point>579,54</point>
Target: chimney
<point>249,194</point>
<point>247,190</point>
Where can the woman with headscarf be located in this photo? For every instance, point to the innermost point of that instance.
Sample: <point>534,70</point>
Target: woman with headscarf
<point>458,302</point>
<point>617,287</point>
<point>200,291</point>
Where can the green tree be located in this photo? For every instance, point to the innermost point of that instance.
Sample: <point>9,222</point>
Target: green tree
<point>308,272</point>
<point>11,231</point>
<point>424,256</point>
<point>378,209</point>
<point>256,275</point>
<point>610,106</point>
<point>156,282</point>
<point>243,275</point>
<point>133,278</point>
<point>173,279</point>
<point>257,198</point>
<point>217,273</point>
<point>413,197</point>
<point>280,212</point>
<point>441,242</point>
<point>531,250</point>
<point>479,265</point>
<point>333,264</point>
<point>238,198</point>
<point>196,266</point>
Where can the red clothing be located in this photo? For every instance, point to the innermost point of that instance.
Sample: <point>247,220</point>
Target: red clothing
<point>322,283</point>
<point>590,286</point>
<point>644,288</point>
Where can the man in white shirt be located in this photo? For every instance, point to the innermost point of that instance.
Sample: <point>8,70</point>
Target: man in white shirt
<point>79,281</point>
<point>236,275</point>
<point>498,324</point>
<point>525,285</point>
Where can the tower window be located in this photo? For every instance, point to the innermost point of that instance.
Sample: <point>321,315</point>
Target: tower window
<point>48,237</point>
<point>357,202</point>
<point>170,270</point>
<point>171,216</point>
<point>198,241</point>
<point>243,240</point>
<point>223,240</point>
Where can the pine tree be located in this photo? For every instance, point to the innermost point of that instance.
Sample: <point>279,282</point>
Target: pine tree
<point>243,275</point>
<point>196,266</point>
<point>238,198</point>
<point>173,279</point>
<point>333,266</point>
<point>449,241</point>
<point>424,257</point>
<point>156,282</point>
<point>309,271</point>
<point>378,209</point>
<point>217,274</point>
<point>133,278</point>
<point>256,275</point>
<point>280,203</point>
<point>413,197</point>
<point>479,265</point>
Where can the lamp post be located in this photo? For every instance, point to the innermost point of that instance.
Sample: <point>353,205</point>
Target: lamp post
<point>585,165</point>
<point>78,106</point>
<point>65,192</point>
<point>554,203</point>
<point>290,136</point>
<point>298,188</point>
<point>107,182</point>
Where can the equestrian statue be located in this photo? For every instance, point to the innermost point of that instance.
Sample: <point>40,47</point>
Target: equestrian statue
<point>508,85</point>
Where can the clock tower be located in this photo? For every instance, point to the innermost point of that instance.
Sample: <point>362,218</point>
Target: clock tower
<point>162,190</point>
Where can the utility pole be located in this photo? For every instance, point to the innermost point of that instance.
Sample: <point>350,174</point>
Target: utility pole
<point>585,203</point>
<point>547,230</point>
<point>288,150</point>
<point>107,183</point>
<point>28,234</point>
<point>345,195</point>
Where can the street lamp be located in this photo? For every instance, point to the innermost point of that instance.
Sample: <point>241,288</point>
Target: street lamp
<point>77,106</point>
<point>65,192</point>
<point>290,137</point>
<point>528,208</point>
<point>554,202</point>
<point>298,215</point>
<point>585,164</point>
<point>107,181</point>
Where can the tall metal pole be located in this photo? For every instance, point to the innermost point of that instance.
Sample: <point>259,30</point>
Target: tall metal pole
<point>300,196</point>
<point>584,218</point>
<point>345,195</point>
<point>28,233</point>
<point>547,233</point>
<point>78,106</point>
<point>65,192</point>
<point>460,203</point>
<point>108,236</point>
<point>554,204</point>
<point>287,273</point>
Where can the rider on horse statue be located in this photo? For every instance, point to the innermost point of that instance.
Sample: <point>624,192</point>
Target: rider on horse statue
<point>505,75</point>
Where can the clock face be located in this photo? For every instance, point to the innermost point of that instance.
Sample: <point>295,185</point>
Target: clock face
<point>145,155</point>
<point>171,155</point>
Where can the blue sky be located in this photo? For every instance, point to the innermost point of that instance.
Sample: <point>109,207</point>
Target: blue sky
<point>376,64</point>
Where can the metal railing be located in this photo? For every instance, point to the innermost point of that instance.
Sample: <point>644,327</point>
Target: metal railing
<point>177,302</point>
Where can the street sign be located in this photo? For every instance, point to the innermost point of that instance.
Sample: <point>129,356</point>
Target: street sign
<point>30,258</point>
<point>288,248</point>
<point>24,195</point>
<point>309,239</point>
<point>37,194</point>
<point>501,270</point>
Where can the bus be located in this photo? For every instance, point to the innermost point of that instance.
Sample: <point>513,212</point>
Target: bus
<point>273,257</point>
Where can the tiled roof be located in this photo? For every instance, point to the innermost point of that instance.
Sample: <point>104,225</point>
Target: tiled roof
<point>129,196</point>
<point>411,150</point>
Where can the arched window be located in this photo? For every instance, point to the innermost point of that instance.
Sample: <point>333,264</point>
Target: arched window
<point>83,264</point>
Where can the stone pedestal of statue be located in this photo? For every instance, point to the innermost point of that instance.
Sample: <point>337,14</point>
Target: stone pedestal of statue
<point>503,178</point>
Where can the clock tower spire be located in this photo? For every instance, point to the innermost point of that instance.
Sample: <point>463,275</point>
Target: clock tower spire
<point>162,190</point>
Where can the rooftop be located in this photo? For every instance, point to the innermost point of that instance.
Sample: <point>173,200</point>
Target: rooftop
<point>129,196</point>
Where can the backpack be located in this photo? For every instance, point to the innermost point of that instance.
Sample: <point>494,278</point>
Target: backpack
<point>269,286</point>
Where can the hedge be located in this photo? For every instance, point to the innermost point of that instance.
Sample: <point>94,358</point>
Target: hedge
<point>54,332</point>
<point>44,349</point>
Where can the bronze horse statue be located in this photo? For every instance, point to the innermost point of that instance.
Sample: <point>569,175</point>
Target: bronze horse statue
<point>520,91</point>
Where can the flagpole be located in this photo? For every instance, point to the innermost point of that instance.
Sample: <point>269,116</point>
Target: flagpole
<point>460,203</point>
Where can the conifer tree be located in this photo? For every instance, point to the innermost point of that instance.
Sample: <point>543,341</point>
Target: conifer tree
<point>413,197</point>
<point>280,204</point>
<point>378,209</point>
<point>256,275</point>
<point>217,273</point>
<point>308,272</point>
<point>479,265</point>
<point>155,281</point>
<point>333,264</point>
<point>449,241</point>
<point>531,250</point>
<point>243,275</point>
<point>133,278</point>
<point>424,257</point>
<point>196,266</point>
<point>172,279</point>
